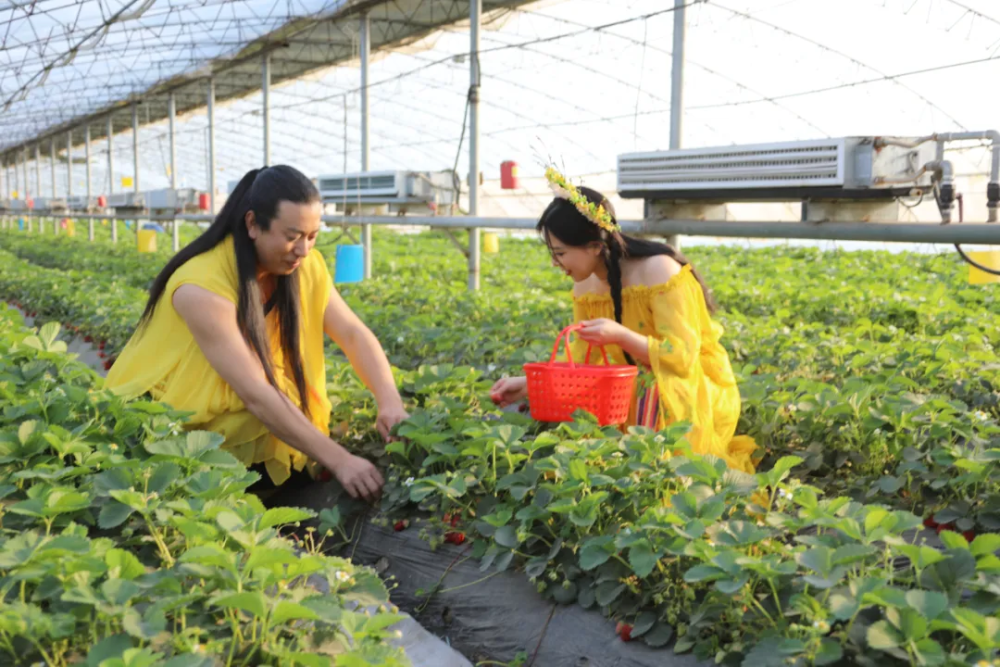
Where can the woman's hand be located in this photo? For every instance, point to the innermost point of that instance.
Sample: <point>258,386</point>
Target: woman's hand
<point>388,418</point>
<point>509,391</point>
<point>601,332</point>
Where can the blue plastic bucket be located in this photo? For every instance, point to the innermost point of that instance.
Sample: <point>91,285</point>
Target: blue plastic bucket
<point>350,264</point>
<point>20,224</point>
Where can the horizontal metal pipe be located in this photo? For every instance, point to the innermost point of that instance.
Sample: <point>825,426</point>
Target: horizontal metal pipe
<point>909,232</point>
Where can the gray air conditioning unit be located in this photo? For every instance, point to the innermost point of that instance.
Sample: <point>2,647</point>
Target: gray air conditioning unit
<point>126,200</point>
<point>390,191</point>
<point>50,204</point>
<point>81,203</point>
<point>842,177</point>
<point>169,199</point>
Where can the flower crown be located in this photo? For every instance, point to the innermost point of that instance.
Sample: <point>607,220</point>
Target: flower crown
<point>594,212</point>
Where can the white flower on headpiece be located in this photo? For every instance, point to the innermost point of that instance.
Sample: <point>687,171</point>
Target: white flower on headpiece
<point>560,192</point>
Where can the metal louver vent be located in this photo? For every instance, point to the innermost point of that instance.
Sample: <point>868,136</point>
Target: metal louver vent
<point>799,164</point>
<point>363,185</point>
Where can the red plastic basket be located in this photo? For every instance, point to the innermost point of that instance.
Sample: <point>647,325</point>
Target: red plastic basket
<point>557,389</point>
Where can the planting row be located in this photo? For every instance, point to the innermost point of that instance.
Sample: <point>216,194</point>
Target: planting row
<point>126,541</point>
<point>752,569</point>
<point>848,360</point>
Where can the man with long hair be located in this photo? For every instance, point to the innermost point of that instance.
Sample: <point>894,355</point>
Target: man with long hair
<point>233,332</point>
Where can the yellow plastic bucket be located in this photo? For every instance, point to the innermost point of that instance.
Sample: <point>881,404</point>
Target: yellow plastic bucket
<point>988,258</point>
<point>147,240</point>
<point>71,227</point>
<point>491,243</point>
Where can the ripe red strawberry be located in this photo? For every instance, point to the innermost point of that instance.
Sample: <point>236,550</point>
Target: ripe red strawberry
<point>969,535</point>
<point>402,524</point>
<point>101,345</point>
<point>88,339</point>
<point>624,631</point>
<point>945,526</point>
<point>930,523</point>
<point>451,519</point>
<point>325,475</point>
<point>108,364</point>
<point>454,537</point>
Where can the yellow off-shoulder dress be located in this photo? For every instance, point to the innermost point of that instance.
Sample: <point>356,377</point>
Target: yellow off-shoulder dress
<point>694,380</point>
<point>164,360</point>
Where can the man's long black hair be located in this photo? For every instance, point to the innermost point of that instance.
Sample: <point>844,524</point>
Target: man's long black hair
<point>260,191</point>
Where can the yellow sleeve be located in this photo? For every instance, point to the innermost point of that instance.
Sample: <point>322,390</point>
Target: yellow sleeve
<point>675,346</point>
<point>214,271</point>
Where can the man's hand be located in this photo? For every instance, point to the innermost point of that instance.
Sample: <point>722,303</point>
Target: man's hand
<point>359,477</point>
<point>388,418</point>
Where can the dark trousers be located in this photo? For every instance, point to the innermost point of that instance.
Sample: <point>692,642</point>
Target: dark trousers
<point>269,492</point>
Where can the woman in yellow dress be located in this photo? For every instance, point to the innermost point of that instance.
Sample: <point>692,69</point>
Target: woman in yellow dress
<point>233,333</point>
<point>646,303</point>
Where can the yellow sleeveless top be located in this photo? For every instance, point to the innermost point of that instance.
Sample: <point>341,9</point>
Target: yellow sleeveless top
<point>164,360</point>
<point>694,379</point>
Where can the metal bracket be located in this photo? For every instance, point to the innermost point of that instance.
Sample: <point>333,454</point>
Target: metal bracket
<point>346,231</point>
<point>458,244</point>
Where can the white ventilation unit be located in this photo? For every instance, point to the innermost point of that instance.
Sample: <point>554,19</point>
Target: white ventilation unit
<point>127,200</point>
<point>169,199</point>
<point>50,204</point>
<point>81,203</point>
<point>847,168</point>
<point>397,191</point>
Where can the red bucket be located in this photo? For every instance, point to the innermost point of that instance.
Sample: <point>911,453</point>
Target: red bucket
<point>556,389</point>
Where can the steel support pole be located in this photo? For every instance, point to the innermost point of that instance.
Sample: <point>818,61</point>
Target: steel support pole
<point>172,113</point>
<point>365,53</point>
<point>90,192</point>
<point>52,161</point>
<point>28,191</point>
<point>135,159</point>
<point>266,88</point>
<point>111,176</point>
<point>38,182</point>
<point>24,173</point>
<point>69,166</point>
<point>211,144</point>
<point>135,147</point>
<point>677,89</point>
<point>475,11</point>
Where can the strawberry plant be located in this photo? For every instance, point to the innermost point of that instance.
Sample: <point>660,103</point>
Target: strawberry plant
<point>124,540</point>
<point>868,378</point>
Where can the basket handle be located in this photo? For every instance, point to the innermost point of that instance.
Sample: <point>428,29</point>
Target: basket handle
<point>569,355</point>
